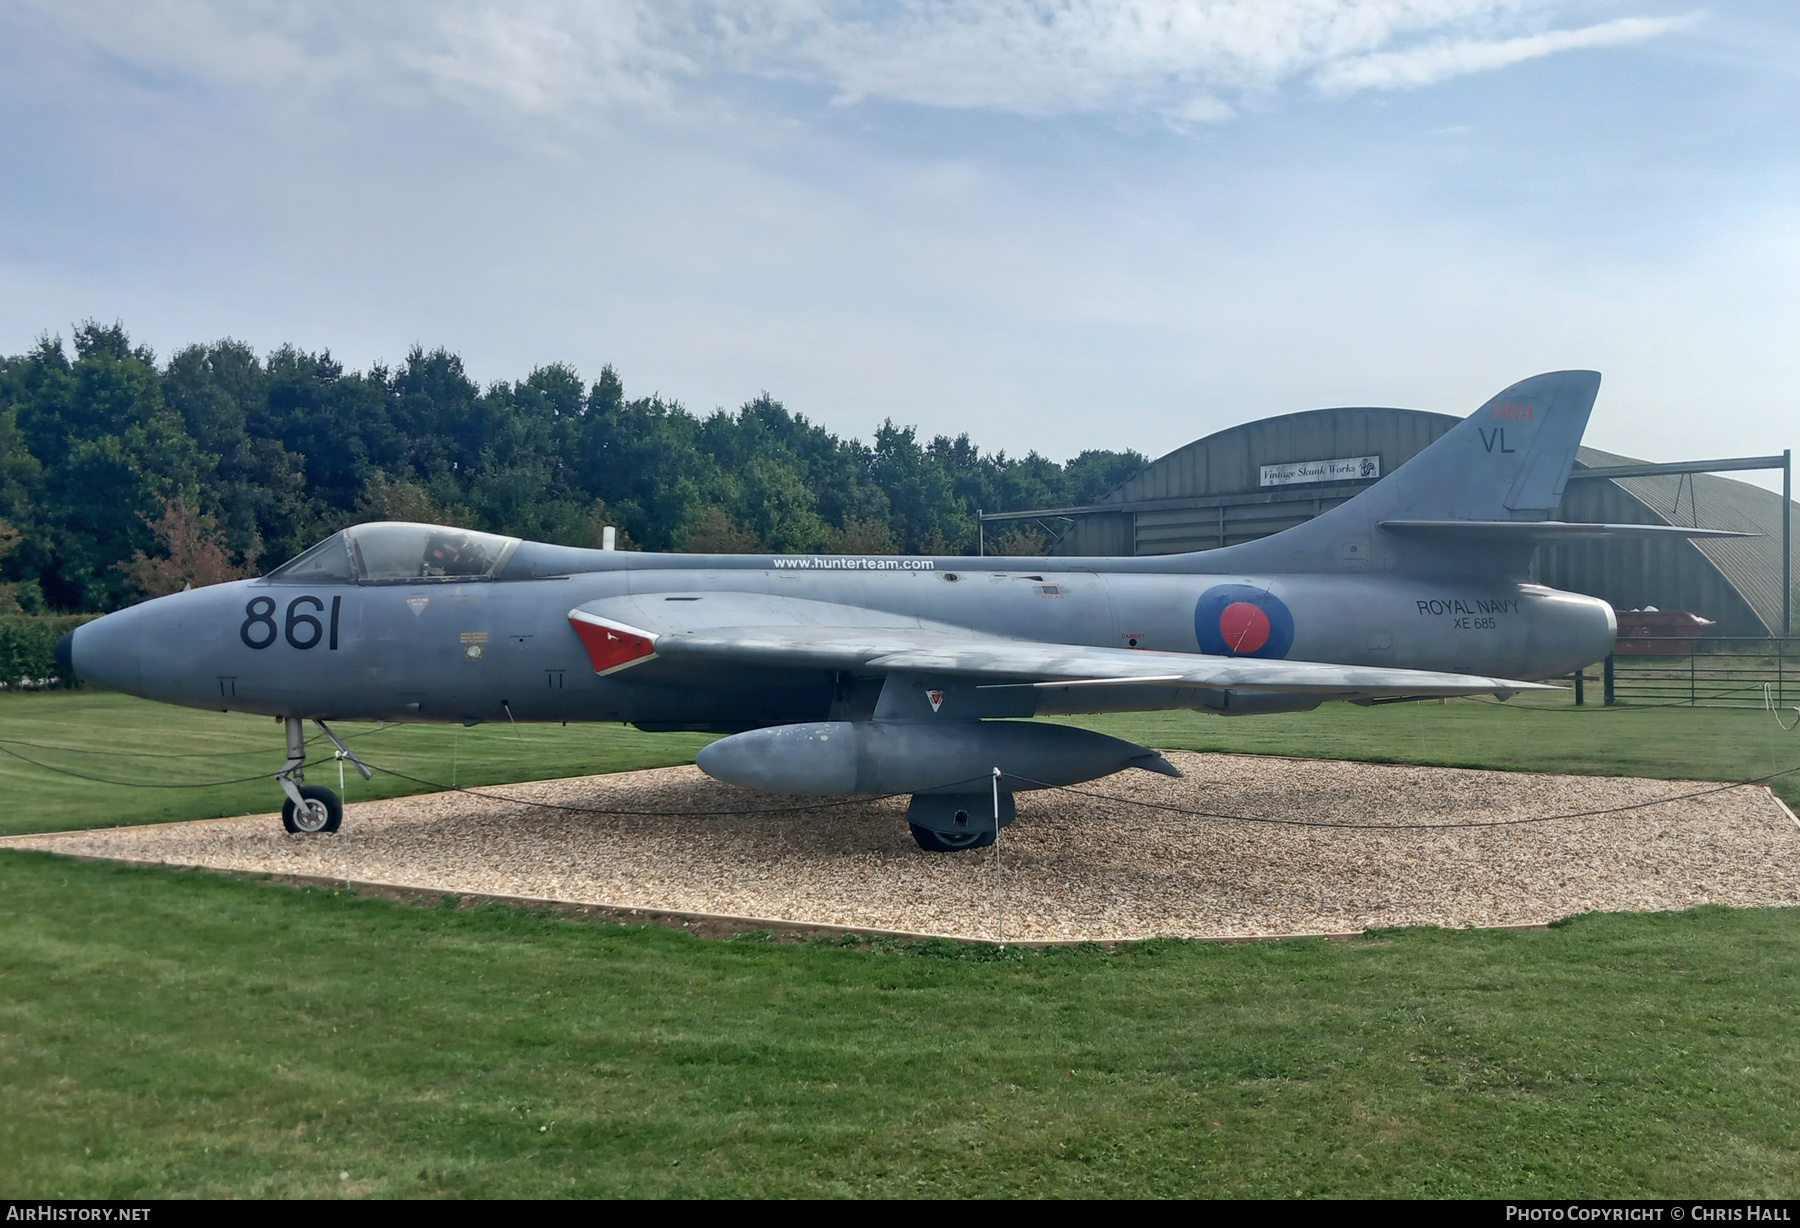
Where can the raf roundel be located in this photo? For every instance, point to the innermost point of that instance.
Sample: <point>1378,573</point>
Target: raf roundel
<point>1242,620</point>
<point>1243,627</point>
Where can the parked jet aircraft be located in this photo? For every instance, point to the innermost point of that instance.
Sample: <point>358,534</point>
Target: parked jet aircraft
<point>890,675</point>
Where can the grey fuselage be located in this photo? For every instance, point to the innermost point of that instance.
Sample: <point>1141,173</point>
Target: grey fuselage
<point>504,647</point>
<point>1427,570</point>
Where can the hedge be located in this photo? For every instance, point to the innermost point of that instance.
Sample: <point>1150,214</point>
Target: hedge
<point>28,649</point>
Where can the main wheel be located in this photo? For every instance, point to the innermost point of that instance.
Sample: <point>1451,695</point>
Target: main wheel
<point>947,842</point>
<point>323,812</point>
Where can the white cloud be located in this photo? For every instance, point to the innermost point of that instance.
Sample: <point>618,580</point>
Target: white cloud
<point>257,45</point>
<point>289,174</point>
<point>1201,109</point>
<point>1436,61</point>
<point>1036,57</point>
<point>533,58</point>
<point>1187,60</point>
<point>541,58</point>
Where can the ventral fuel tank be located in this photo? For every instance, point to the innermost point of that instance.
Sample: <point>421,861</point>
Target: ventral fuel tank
<point>888,757</point>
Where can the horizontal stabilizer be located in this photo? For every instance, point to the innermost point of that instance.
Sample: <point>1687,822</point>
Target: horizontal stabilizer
<point>1545,530</point>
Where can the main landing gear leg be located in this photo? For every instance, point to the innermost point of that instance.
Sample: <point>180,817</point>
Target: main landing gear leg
<point>309,809</point>
<point>957,822</point>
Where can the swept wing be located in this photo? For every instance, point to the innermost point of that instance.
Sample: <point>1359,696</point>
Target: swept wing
<point>748,629</point>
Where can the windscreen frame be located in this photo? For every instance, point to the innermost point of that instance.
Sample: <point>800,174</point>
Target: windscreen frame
<point>486,555</point>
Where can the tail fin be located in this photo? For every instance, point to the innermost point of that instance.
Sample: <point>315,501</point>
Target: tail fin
<point>1509,460</point>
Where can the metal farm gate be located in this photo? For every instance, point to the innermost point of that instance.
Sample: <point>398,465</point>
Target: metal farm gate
<point>1721,672</point>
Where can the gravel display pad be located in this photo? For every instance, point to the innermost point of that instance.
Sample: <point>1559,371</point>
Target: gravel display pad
<point>1073,867</point>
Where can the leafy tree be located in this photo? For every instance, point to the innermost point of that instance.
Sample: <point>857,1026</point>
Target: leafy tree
<point>194,553</point>
<point>1020,541</point>
<point>383,498</point>
<point>925,513</point>
<point>9,594</point>
<point>597,522</point>
<point>717,533</point>
<point>1094,474</point>
<point>257,488</point>
<point>110,449</point>
<point>856,536</point>
<point>120,476</point>
<point>20,471</point>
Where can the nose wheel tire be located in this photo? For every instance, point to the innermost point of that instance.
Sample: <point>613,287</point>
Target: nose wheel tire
<point>948,842</point>
<point>321,813</point>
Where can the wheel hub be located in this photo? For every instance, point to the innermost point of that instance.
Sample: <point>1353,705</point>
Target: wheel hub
<point>311,816</point>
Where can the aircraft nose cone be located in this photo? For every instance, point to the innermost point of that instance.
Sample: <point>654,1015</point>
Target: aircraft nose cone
<point>109,650</point>
<point>65,656</point>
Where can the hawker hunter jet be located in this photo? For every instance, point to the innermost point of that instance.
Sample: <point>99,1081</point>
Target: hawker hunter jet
<point>878,674</point>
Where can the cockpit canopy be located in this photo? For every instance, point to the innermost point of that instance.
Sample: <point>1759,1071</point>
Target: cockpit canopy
<point>399,552</point>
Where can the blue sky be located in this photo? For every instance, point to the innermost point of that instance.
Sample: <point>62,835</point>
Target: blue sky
<point>1053,225</point>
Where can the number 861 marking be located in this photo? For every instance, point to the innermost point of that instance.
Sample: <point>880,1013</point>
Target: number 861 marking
<point>302,629</point>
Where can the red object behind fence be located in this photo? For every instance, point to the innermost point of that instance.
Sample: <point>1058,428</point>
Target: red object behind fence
<point>1660,633</point>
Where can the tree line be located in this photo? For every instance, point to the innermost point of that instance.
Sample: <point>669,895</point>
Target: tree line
<point>122,476</point>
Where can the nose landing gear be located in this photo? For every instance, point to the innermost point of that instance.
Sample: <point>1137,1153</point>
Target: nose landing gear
<point>319,811</point>
<point>311,809</point>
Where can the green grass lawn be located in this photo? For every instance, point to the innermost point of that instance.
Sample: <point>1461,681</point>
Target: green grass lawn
<point>167,1033</point>
<point>125,739</point>
<point>1530,735</point>
<point>121,738</point>
<point>191,1034</point>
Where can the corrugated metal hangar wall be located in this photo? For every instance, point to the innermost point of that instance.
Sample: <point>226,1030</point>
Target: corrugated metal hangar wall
<point>1256,479</point>
<point>1211,492</point>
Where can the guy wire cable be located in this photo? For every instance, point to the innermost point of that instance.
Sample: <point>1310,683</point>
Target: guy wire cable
<point>147,784</point>
<point>1587,709</point>
<point>839,802</point>
<point>177,754</point>
<point>472,791</point>
<point>1544,818</point>
<point>1238,818</point>
<point>1775,710</point>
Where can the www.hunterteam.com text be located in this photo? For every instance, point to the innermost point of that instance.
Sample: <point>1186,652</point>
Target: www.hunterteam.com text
<point>817,563</point>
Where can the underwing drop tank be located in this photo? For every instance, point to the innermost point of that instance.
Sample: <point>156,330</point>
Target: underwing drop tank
<point>890,757</point>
